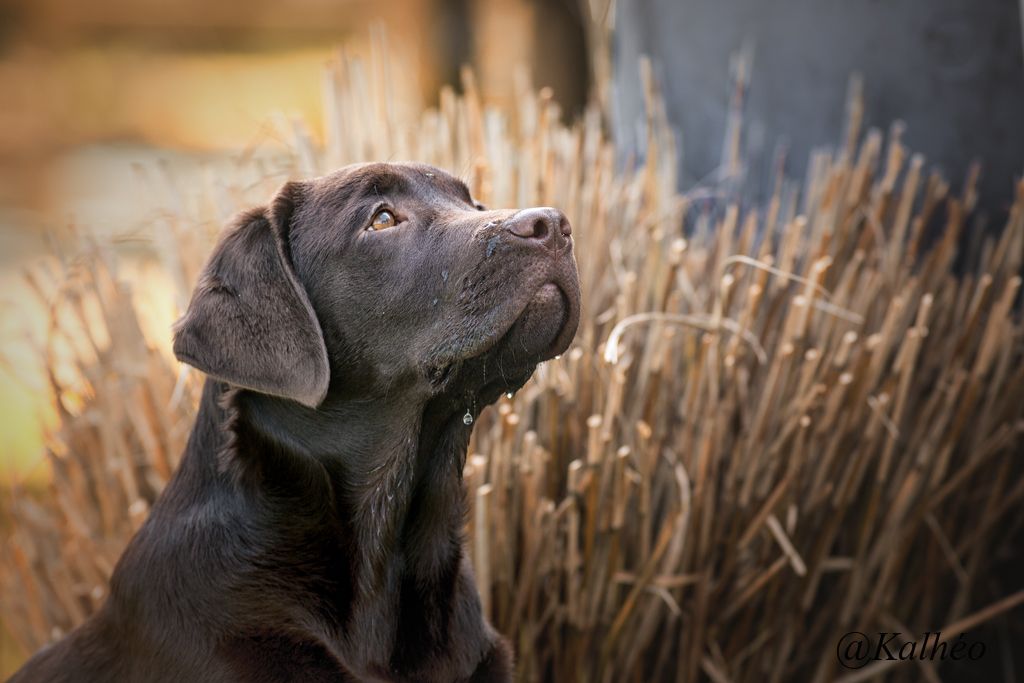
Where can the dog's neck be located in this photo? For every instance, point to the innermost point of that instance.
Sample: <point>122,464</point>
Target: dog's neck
<point>358,507</point>
<point>393,464</point>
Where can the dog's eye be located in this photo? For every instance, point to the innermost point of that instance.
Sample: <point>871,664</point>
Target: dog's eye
<point>479,206</point>
<point>382,220</point>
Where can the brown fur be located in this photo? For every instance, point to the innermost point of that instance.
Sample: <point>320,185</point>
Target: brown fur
<point>313,531</point>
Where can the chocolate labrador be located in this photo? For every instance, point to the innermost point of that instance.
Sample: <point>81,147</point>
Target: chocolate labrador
<point>351,331</point>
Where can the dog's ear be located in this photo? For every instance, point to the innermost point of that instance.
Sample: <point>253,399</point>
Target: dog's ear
<point>250,322</point>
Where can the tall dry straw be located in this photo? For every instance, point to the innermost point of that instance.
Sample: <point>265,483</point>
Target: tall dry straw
<point>794,423</point>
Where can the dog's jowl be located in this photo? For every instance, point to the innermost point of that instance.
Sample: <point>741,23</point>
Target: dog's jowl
<point>350,331</point>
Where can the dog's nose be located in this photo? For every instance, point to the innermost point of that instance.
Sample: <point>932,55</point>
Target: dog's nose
<point>542,225</point>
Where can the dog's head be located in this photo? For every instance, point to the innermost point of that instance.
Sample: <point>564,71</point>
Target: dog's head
<point>383,276</point>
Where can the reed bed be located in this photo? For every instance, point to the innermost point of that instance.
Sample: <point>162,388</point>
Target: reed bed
<point>779,422</point>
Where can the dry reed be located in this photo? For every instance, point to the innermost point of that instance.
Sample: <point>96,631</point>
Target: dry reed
<point>791,422</point>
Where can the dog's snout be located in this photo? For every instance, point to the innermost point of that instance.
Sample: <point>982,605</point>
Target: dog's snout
<point>543,225</point>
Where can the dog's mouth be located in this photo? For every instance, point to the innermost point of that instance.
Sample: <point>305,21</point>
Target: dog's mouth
<point>542,329</point>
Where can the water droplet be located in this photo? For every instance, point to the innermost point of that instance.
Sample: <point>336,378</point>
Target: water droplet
<point>467,419</point>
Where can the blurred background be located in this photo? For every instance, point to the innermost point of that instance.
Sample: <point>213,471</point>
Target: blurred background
<point>104,105</point>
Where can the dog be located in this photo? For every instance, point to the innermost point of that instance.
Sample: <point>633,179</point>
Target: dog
<point>351,331</point>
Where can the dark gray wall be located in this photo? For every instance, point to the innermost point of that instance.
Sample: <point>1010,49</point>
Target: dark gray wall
<point>951,69</point>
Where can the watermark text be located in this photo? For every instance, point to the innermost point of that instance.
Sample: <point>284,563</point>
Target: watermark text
<point>857,649</point>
